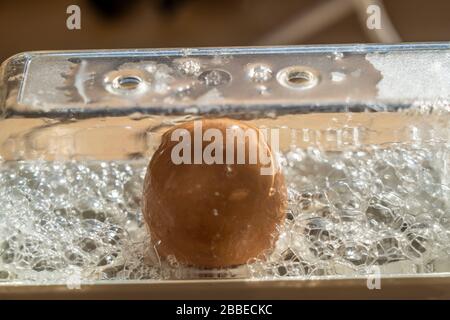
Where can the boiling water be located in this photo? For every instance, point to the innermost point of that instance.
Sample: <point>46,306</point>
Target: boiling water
<point>80,221</point>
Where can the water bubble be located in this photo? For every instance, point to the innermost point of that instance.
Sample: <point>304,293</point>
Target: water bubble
<point>381,213</point>
<point>88,245</point>
<point>388,249</point>
<point>4,275</point>
<point>355,253</point>
<point>346,211</point>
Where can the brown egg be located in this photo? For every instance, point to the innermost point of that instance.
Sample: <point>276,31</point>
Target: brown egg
<point>213,215</point>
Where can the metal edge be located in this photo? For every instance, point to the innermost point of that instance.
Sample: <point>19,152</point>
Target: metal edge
<point>391,288</point>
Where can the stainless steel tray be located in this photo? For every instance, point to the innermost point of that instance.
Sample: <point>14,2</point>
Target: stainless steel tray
<point>69,107</point>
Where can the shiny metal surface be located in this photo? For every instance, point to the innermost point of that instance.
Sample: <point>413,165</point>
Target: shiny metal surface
<point>173,81</point>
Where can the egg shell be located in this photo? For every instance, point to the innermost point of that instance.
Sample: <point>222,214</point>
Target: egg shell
<point>213,215</point>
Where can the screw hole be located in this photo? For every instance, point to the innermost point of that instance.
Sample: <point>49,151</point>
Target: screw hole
<point>298,77</point>
<point>127,82</point>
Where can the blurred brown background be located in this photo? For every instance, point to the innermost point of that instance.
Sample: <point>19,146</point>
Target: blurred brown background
<point>41,25</point>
